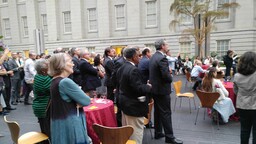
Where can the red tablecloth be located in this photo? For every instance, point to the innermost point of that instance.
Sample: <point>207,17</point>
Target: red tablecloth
<point>100,111</point>
<point>232,96</point>
<point>204,67</point>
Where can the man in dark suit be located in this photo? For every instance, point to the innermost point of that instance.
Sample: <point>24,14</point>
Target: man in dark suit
<point>160,77</point>
<point>117,64</point>
<point>144,65</point>
<point>14,65</point>
<point>75,76</point>
<point>108,64</point>
<point>132,94</point>
<point>90,75</point>
<point>7,86</point>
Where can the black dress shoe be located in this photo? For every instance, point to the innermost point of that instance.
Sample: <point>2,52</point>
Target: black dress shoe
<point>27,103</point>
<point>158,136</point>
<point>175,141</point>
<point>10,108</point>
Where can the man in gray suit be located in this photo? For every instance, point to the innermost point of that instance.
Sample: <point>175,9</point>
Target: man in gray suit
<point>14,65</point>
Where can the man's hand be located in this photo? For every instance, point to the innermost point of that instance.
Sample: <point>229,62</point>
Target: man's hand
<point>10,72</point>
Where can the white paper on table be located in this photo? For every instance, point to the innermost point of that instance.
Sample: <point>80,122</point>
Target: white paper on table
<point>101,101</point>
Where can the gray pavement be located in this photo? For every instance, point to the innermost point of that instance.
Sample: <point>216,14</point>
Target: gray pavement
<point>205,132</point>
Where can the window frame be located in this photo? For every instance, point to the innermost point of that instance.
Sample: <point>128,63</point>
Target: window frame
<point>189,48</point>
<point>25,26</point>
<point>64,22</point>
<point>7,28</point>
<point>148,25</point>
<point>124,17</point>
<point>92,20</point>
<point>224,51</point>
<point>220,19</point>
<point>4,1</point>
<point>44,23</point>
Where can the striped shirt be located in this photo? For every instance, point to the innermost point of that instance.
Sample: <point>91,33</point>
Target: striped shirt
<point>41,94</point>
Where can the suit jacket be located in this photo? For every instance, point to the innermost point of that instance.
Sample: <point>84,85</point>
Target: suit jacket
<point>130,88</point>
<point>117,64</point>
<point>15,68</point>
<point>76,77</point>
<point>159,74</point>
<point>89,74</point>
<point>144,69</point>
<point>7,80</point>
<point>109,66</point>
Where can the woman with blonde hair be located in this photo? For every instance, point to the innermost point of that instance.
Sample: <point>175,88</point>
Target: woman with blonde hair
<point>224,104</point>
<point>68,123</point>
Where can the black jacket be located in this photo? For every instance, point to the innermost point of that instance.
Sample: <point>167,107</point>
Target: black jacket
<point>228,61</point>
<point>159,74</point>
<point>76,77</point>
<point>109,66</point>
<point>89,74</point>
<point>130,88</point>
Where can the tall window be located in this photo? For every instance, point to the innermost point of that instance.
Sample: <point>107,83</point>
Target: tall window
<point>25,25</point>
<point>67,22</point>
<point>120,17</point>
<point>92,19</point>
<point>44,23</point>
<point>185,18</point>
<point>219,5</point>
<point>222,47</point>
<point>185,49</point>
<point>4,1</point>
<point>151,13</point>
<point>7,28</point>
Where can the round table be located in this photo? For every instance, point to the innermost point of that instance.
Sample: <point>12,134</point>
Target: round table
<point>100,111</point>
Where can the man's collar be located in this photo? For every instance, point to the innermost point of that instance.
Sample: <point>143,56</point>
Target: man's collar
<point>162,53</point>
<point>110,57</point>
<point>131,63</point>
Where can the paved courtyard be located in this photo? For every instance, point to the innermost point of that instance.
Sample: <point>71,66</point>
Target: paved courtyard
<point>205,132</point>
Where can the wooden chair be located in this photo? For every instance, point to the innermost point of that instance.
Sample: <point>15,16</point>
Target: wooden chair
<point>189,79</point>
<point>27,138</point>
<point>177,87</point>
<point>207,100</point>
<point>114,135</point>
<point>147,120</point>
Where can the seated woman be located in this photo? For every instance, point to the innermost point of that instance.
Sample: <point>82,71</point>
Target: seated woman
<point>220,73</point>
<point>224,105</point>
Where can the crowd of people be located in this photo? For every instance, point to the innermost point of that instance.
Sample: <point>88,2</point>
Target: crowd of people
<point>64,82</point>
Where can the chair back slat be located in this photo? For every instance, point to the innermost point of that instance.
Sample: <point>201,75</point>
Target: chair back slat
<point>113,135</point>
<point>207,99</point>
<point>177,86</point>
<point>14,129</point>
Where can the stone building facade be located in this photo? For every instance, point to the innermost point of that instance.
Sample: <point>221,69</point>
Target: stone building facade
<point>97,24</point>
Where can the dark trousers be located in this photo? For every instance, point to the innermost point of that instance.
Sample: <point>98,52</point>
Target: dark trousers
<point>234,69</point>
<point>163,116</point>
<point>7,96</point>
<point>15,89</point>
<point>197,83</point>
<point>119,112</point>
<point>45,126</point>
<point>110,94</point>
<point>248,123</point>
<point>29,88</point>
<point>227,72</point>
